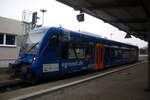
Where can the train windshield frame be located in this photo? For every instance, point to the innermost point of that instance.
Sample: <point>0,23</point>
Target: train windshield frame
<point>32,41</point>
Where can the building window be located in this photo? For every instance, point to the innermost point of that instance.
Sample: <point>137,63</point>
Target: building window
<point>7,40</point>
<point>10,40</point>
<point>1,38</point>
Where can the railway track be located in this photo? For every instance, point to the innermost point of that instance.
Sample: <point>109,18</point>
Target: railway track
<point>9,82</point>
<point>12,85</point>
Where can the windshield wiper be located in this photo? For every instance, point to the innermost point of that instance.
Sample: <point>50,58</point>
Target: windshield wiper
<point>32,47</point>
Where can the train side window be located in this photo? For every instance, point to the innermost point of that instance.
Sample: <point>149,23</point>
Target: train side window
<point>64,51</point>
<point>80,51</point>
<point>107,54</point>
<point>88,52</point>
<point>72,53</point>
<point>75,51</point>
<point>68,52</point>
<point>114,53</point>
<point>125,54</point>
<point>54,40</point>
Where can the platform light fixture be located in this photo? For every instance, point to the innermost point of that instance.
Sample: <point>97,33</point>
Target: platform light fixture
<point>80,17</point>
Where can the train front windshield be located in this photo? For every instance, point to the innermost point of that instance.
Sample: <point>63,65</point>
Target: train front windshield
<point>30,46</point>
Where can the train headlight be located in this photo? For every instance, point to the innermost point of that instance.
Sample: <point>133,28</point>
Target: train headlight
<point>34,58</point>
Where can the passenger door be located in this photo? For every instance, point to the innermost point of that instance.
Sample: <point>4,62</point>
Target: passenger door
<point>99,56</point>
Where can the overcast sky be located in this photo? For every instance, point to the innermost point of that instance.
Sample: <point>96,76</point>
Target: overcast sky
<point>60,14</point>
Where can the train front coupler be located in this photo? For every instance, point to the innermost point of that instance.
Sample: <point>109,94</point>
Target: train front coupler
<point>17,70</point>
<point>12,71</point>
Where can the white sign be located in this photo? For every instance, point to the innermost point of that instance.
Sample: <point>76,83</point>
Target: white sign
<point>50,67</point>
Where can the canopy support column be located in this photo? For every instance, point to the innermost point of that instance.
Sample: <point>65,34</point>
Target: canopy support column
<point>148,38</point>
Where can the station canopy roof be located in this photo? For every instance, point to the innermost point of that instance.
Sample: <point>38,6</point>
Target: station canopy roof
<point>130,16</point>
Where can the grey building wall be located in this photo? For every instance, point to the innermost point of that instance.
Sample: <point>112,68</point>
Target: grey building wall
<point>8,54</point>
<point>11,26</point>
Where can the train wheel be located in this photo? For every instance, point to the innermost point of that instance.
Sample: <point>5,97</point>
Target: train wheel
<point>31,77</point>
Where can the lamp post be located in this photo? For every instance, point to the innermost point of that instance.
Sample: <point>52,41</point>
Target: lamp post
<point>43,11</point>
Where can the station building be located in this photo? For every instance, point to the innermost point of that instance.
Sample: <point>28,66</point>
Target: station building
<point>9,30</point>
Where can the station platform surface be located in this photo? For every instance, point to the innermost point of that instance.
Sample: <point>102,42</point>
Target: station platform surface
<point>129,84</point>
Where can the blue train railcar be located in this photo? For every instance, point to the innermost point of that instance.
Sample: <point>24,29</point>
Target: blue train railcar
<point>52,51</point>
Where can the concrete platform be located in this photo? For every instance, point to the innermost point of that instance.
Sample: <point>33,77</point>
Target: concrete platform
<point>105,84</point>
<point>129,84</point>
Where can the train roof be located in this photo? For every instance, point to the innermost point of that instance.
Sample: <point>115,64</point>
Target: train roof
<point>92,36</point>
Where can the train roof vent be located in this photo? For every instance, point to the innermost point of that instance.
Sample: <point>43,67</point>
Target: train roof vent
<point>91,34</point>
